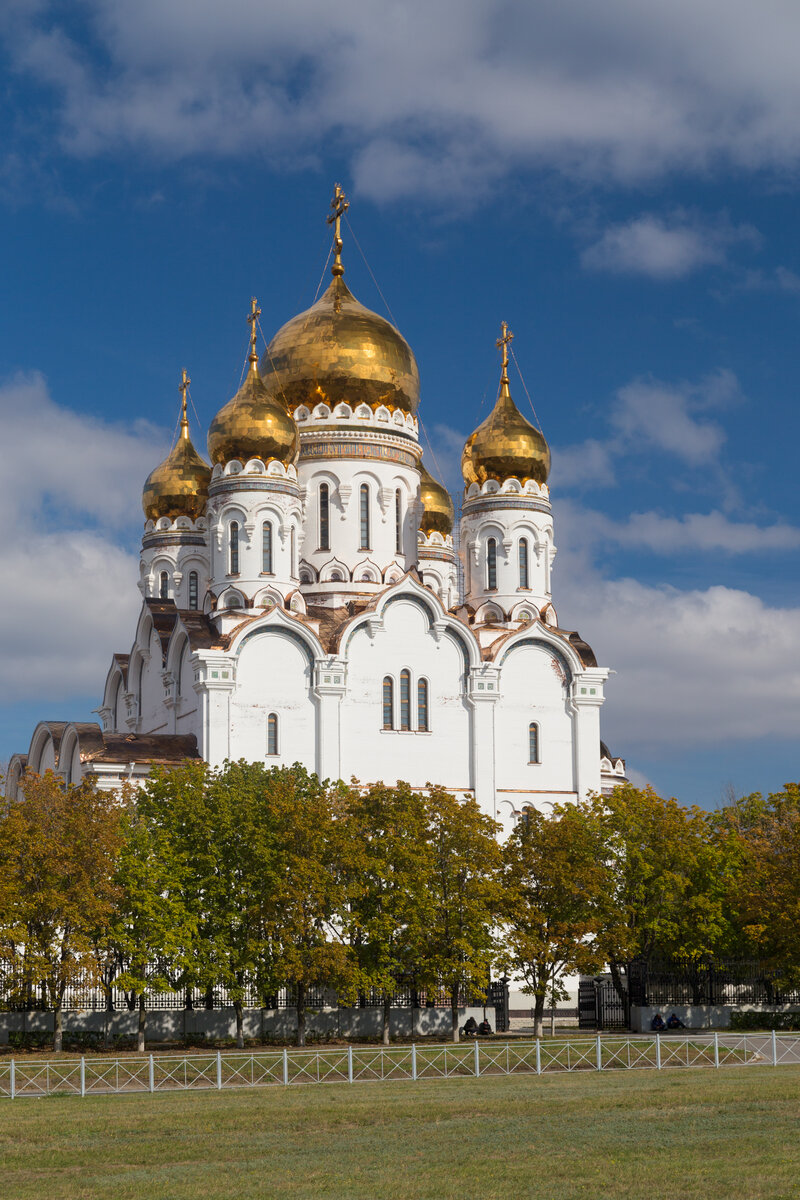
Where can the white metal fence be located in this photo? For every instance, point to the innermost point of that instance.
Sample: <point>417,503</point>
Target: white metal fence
<point>91,1076</point>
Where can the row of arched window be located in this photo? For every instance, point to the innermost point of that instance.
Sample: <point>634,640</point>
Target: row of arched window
<point>522,564</point>
<point>364,515</point>
<point>267,549</point>
<point>399,708</point>
<point>194,588</point>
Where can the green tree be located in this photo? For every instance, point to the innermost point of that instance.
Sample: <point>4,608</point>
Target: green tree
<point>387,866</point>
<point>554,884</point>
<point>454,944</point>
<point>58,849</point>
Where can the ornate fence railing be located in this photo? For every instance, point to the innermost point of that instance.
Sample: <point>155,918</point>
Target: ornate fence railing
<point>350,1064</point>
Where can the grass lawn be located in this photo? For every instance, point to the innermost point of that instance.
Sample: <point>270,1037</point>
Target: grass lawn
<point>698,1134</point>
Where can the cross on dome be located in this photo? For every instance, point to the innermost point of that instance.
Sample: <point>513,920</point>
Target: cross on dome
<point>502,343</point>
<point>339,205</point>
<point>183,388</point>
<point>252,321</point>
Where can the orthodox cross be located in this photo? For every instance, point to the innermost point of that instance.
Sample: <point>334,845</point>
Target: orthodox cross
<point>183,388</point>
<point>252,321</point>
<point>502,344</point>
<point>339,206</point>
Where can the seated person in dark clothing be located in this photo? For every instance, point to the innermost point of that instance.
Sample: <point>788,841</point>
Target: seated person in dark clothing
<point>657,1022</point>
<point>674,1022</point>
<point>484,1029</point>
<point>470,1028</point>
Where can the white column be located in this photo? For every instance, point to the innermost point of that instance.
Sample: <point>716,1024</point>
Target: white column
<point>483,695</point>
<point>330,680</point>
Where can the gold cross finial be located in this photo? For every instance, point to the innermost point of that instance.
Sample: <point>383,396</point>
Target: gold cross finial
<point>183,388</point>
<point>252,321</point>
<point>339,206</point>
<point>502,344</point>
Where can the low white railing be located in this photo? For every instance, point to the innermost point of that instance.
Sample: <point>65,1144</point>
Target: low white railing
<point>264,1068</point>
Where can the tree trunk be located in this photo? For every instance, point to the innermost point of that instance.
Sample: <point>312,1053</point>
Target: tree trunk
<point>140,1031</point>
<point>454,1012</point>
<point>58,1032</point>
<point>237,1008</point>
<point>538,1013</point>
<point>301,1014</point>
<point>387,1008</point>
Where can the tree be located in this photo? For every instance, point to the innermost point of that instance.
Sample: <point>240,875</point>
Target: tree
<point>387,870</point>
<point>58,849</point>
<point>454,943</point>
<point>554,882</point>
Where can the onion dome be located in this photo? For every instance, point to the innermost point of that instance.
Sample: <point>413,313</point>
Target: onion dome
<point>178,487</point>
<point>505,445</point>
<point>254,424</point>
<point>338,350</point>
<point>437,507</point>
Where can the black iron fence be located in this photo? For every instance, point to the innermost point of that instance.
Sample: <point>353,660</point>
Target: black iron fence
<point>710,981</point>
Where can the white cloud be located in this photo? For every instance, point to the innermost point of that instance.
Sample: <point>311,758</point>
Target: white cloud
<point>666,416</point>
<point>70,486</point>
<point>690,533</point>
<point>664,249</point>
<point>426,96</point>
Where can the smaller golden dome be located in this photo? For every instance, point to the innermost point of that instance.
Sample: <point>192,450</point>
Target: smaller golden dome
<point>254,424</point>
<point>437,507</point>
<point>178,487</point>
<point>505,445</point>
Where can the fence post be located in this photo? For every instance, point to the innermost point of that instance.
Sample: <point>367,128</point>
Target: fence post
<point>413,1060</point>
<point>599,1054</point>
<point>219,1070</point>
<point>13,1079</point>
<point>349,1064</point>
<point>285,1066</point>
<point>477,1059</point>
<point>151,1076</point>
<point>538,1056</point>
<point>658,1051</point>
<point>774,1050</point>
<point>83,1076</point>
<point>716,1049</point>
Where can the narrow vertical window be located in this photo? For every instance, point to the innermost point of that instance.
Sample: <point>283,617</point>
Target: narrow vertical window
<point>364,517</point>
<point>233,547</point>
<point>523,562</point>
<point>272,733</point>
<point>491,565</point>
<point>266,548</point>
<point>405,699</point>
<point>179,672</point>
<point>193,590</point>
<point>163,587</point>
<point>398,522</point>
<point>388,702</point>
<point>533,742</point>
<point>422,705</point>
<point>139,689</point>
<point>324,517</point>
<point>293,553</point>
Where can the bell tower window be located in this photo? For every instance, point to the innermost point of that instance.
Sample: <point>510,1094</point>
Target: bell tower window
<point>233,548</point>
<point>491,565</point>
<point>398,522</point>
<point>324,517</point>
<point>266,548</point>
<point>193,590</point>
<point>364,513</point>
<point>163,586</point>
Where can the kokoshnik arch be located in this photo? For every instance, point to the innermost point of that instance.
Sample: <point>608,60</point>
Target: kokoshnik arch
<point>302,597</point>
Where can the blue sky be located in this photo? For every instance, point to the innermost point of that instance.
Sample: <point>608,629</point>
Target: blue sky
<point>617,183</point>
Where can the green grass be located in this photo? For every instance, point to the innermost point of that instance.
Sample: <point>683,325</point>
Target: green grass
<point>689,1135</point>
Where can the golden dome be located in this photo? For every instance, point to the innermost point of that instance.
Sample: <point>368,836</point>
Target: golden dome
<point>338,350</point>
<point>178,487</point>
<point>437,507</point>
<point>254,424</point>
<point>505,445</point>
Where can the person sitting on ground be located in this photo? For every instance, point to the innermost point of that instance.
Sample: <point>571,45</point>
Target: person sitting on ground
<point>470,1028</point>
<point>657,1023</point>
<point>484,1029</point>
<point>674,1022</point>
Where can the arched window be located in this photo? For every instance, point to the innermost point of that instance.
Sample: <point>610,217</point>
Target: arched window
<point>233,548</point>
<point>139,688</point>
<point>117,698</point>
<point>388,702</point>
<point>292,553</point>
<point>491,565</point>
<point>364,511</point>
<point>179,669</point>
<point>523,563</point>
<point>266,548</point>
<point>272,733</point>
<point>533,743</point>
<point>193,590</point>
<point>398,522</point>
<point>324,517</point>
<point>232,600</point>
<point>405,699</point>
<point>163,586</point>
<point>422,705</point>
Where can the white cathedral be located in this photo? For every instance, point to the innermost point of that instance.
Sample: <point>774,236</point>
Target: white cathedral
<point>303,598</point>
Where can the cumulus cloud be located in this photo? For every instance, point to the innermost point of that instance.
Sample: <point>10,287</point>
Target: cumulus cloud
<point>693,532</point>
<point>70,486</point>
<point>430,97</point>
<point>665,248</point>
